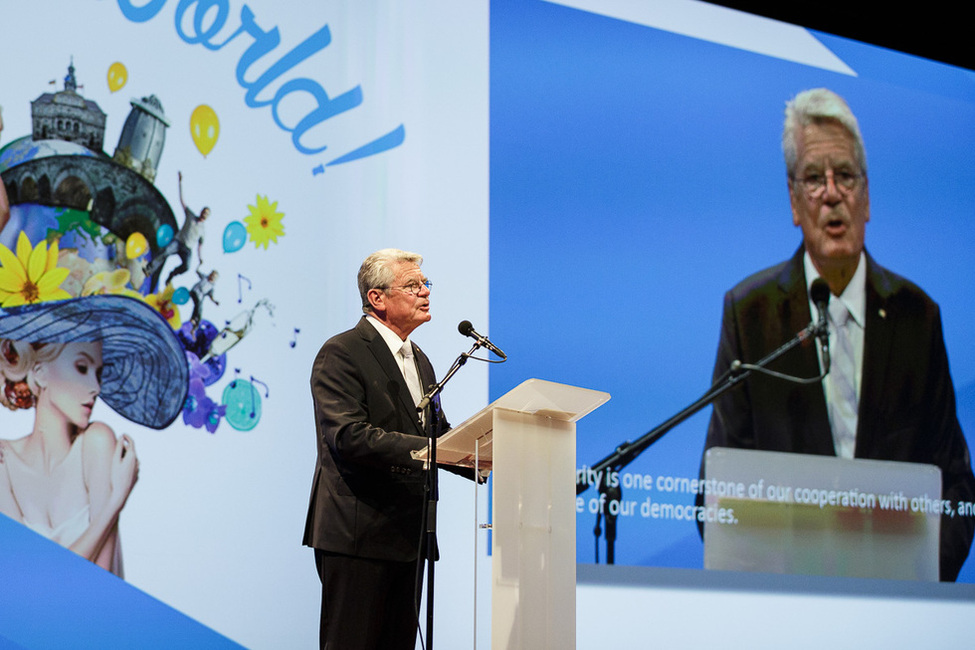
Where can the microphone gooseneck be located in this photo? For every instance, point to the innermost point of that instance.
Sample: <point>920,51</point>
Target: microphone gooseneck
<point>467,329</point>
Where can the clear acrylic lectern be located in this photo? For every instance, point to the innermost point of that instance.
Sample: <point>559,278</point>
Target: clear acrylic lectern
<point>528,438</point>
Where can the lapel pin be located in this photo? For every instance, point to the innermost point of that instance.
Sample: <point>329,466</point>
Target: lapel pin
<point>882,312</point>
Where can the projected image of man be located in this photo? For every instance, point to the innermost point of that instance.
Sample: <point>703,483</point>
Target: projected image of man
<point>889,393</point>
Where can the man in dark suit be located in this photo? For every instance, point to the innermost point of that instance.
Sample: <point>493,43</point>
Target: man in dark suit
<point>367,499</point>
<point>895,399</point>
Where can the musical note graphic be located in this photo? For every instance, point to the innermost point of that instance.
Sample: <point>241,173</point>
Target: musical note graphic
<point>240,292</point>
<point>267,391</point>
<point>294,341</point>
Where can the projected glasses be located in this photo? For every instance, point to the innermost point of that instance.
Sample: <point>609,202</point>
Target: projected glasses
<point>815,184</point>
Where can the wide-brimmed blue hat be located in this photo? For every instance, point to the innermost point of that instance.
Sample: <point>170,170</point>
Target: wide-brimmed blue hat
<point>145,375</point>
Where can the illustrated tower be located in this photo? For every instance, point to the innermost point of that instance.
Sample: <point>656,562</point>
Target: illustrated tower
<point>66,115</point>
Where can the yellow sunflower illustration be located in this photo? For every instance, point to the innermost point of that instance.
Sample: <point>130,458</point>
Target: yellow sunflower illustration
<point>32,275</point>
<point>264,222</point>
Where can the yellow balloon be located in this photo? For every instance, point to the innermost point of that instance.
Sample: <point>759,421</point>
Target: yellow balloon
<point>136,245</point>
<point>205,128</point>
<point>117,76</point>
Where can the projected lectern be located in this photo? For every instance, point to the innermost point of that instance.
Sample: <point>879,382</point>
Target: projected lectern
<point>528,438</point>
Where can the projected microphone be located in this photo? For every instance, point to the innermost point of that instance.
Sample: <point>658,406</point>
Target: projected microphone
<point>467,329</point>
<point>820,297</point>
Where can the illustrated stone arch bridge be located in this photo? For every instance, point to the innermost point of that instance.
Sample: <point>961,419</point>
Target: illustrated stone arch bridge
<point>115,197</point>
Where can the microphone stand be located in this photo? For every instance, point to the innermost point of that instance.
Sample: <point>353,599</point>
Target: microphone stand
<point>628,451</point>
<point>608,494</point>
<point>425,407</point>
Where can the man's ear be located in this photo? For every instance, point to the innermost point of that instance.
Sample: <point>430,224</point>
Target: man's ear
<point>866,196</point>
<point>794,198</point>
<point>377,300</point>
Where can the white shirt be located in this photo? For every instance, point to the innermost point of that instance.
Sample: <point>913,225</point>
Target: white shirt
<point>192,231</point>
<point>854,297</point>
<point>395,344</point>
<point>392,339</point>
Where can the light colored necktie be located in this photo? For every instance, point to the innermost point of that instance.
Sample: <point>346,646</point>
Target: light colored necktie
<point>843,403</point>
<point>409,372</point>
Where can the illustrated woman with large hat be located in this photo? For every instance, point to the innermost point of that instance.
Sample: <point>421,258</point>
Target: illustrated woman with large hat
<point>68,477</point>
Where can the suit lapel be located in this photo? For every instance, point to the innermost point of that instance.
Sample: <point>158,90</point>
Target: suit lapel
<point>876,351</point>
<point>424,369</point>
<point>814,427</point>
<point>377,346</point>
<point>794,312</point>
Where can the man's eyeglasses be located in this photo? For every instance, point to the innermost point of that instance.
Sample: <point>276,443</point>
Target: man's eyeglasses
<point>815,184</point>
<point>415,288</point>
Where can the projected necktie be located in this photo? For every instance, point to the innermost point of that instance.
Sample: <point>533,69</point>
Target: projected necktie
<point>409,372</point>
<point>843,405</point>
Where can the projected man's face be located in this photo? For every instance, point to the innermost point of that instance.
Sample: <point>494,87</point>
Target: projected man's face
<point>833,217</point>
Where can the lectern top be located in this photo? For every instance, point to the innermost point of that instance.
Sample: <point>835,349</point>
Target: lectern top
<point>551,399</point>
<point>533,396</point>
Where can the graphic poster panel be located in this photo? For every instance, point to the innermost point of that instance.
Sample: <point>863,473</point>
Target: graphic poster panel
<point>189,189</point>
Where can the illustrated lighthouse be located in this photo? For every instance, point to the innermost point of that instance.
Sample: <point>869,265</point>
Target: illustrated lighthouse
<point>141,143</point>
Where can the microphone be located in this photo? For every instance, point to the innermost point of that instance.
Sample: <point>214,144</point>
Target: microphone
<point>819,292</point>
<point>467,329</point>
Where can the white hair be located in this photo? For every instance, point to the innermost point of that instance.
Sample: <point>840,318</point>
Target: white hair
<point>817,106</point>
<point>376,271</point>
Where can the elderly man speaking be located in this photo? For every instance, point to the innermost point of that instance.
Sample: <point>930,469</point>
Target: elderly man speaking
<point>364,517</point>
<point>889,394</point>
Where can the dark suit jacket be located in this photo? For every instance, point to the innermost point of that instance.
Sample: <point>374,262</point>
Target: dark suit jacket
<point>367,495</point>
<point>907,400</point>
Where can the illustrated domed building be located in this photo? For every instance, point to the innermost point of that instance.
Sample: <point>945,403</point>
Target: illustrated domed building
<point>62,165</point>
<point>68,116</point>
<point>141,143</point>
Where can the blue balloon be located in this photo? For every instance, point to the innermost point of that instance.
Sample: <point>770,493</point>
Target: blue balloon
<point>164,235</point>
<point>181,296</point>
<point>234,236</point>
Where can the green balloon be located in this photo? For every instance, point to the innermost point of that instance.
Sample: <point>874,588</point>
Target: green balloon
<point>243,403</point>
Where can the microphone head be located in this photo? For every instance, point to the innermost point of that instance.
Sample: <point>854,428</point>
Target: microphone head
<point>819,291</point>
<point>465,327</point>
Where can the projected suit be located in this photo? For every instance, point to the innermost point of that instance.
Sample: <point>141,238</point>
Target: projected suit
<point>367,497</point>
<point>907,402</point>
<point>905,407</point>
